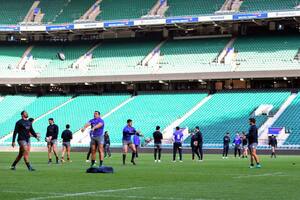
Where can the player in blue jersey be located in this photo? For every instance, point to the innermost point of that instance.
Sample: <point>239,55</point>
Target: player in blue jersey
<point>128,132</point>
<point>177,145</point>
<point>97,137</point>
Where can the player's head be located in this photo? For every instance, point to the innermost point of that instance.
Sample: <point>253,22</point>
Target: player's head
<point>96,114</point>
<point>24,114</point>
<point>68,126</point>
<point>252,121</point>
<point>31,120</point>
<point>129,122</point>
<point>106,132</point>
<point>51,121</point>
<point>197,128</point>
<point>157,128</point>
<point>227,134</point>
<point>177,128</point>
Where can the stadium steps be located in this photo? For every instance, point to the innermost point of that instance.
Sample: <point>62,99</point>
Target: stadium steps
<point>223,54</point>
<point>168,131</point>
<point>84,138</point>
<point>158,9</point>
<point>264,129</point>
<point>150,56</point>
<point>92,13</point>
<point>29,16</point>
<point>24,56</point>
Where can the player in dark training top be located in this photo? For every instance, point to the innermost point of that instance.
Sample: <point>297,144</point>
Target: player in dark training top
<point>129,131</point>
<point>51,139</point>
<point>66,137</point>
<point>253,142</point>
<point>23,129</point>
<point>157,136</point>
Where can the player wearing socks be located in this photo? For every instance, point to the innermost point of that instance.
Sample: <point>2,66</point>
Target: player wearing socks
<point>273,145</point>
<point>226,141</point>
<point>177,145</point>
<point>157,136</point>
<point>128,131</point>
<point>97,137</point>
<point>66,137</point>
<point>23,129</point>
<point>253,142</point>
<point>51,138</point>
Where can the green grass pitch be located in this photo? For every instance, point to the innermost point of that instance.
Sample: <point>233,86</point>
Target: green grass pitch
<point>213,179</point>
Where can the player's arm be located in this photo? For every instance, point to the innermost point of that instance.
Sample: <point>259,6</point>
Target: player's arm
<point>71,135</point>
<point>33,133</point>
<point>13,144</point>
<point>85,126</point>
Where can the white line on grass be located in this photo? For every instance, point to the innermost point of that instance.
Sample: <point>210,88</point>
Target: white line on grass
<point>83,193</point>
<point>261,175</point>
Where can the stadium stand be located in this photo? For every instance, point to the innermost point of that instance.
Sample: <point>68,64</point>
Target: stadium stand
<point>35,106</point>
<point>126,54</point>
<point>130,9</point>
<point>13,12</point>
<point>193,7</point>
<point>289,120</point>
<point>267,52</point>
<point>58,11</point>
<point>47,60</point>
<point>148,110</point>
<point>267,5</point>
<point>230,111</point>
<point>10,55</point>
<point>199,52</point>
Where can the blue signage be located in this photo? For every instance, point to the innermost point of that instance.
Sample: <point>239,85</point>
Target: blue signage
<point>182,20</point>
<point>59,27</point>
<point>250,16</point>
<point>9,28</point>
<point>118,24</point>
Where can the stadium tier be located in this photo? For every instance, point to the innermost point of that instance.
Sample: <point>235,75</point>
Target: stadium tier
<point>230,111</point>
<point>200,54</point>
<point>36,106</point>
<point>10,55</point>
<point>130,9</point>
<point>63,11</point>
<point>193,7</point>
<point>266,5</point>
<point>289,120</point>
<point>148,110</point>
<point>267,52</point>
<point>13,12</point>
<point>47,61</point>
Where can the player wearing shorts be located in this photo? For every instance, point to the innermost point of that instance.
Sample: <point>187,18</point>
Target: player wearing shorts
<point>157,136</point>
<point>51,139</point>
<point>23,129</point>
<point>253,142</point>
<point>66,145</point>
<point>128,131</point>
<point>273,145</point>
<point>97,137</point>
<point>177,145</point>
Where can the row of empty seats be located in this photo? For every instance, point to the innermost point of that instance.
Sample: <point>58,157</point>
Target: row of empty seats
<point>230,111</point>
<point>223,112</point>
<point>66,11</point>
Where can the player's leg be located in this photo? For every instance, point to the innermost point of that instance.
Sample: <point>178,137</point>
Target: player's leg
<point>63,151</point>
<point>159,152</point>
<point>125,150</point>
<point>54,147</point>
<point>197,152</point>
<point>193,152</point>
<point>239,151</point>
<point>89,154</point>
<point>155,153</point>
<point>26,158</point>
<point>18,158</point>
<point>235,151</point>
<point>136,151</point>
<point>255,156</point>
<point>174,151</point>
<point>69,153</point>
<point>49,147</point>
<point>94,149</point>
<point>201,151</point>
<point>180,152</point>
<point>101,153</point>
<point>133,149</point>
<point>108,150</point>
